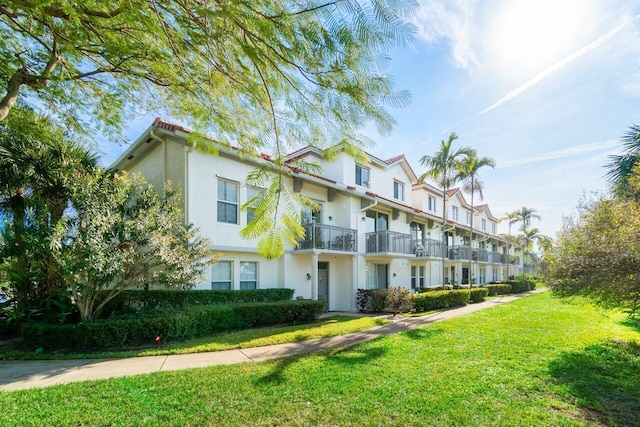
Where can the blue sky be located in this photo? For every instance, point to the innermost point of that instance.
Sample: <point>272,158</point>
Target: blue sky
<point>545,87</point>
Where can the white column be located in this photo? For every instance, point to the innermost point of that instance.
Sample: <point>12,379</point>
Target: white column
<point>354,282</point>
<point>314,276</point>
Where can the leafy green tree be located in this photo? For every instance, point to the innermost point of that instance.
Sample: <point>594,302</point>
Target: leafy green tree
<point>468,170</point>
<point>597,254</point>
<point>122,234</point>
<point>37,167</point>
<point>442,168</point>
<point>264,75</point>
<point>621,167</point>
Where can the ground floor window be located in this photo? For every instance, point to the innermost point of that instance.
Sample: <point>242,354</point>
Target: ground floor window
<point>483,275</point>
<point>377,276</point>
<point>417,276</point>
<point>495,275</point>
<point>248,275</point>
<point>221,275</point>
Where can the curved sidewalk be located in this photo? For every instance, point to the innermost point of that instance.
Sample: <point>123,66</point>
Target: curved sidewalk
<point>19,375</point>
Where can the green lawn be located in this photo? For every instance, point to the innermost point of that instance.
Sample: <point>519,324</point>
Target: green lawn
<point>536,361</point>
<point>327,327</point>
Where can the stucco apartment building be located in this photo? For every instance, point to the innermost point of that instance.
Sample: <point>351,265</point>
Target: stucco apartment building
<point>376,227</point>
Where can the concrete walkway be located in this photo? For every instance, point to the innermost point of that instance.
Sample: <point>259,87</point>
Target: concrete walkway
<point>19,375</point>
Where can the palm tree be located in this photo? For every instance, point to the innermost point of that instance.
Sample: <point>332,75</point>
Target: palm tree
<point>621,166</point>
<point>468,173</point>
<point>528,238</point>
<point>512,217</point>
<point>525,215</point>
<point>441,168</point>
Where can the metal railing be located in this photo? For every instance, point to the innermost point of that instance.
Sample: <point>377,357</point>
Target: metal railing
<point>389,241</point>
<point>427,248</point>
<point>328,237</point>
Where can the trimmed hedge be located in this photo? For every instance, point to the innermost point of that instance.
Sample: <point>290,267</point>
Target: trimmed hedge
<point>478,294</point>
<point>499,289</point>
<point>440,299</point>
<point>138,300</point>
<point>190,322</point>
<point>521,285</point>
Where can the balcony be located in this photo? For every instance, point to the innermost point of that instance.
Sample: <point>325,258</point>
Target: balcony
<point>389,241</point>
<point>328,237</point>
<point>427,248</point>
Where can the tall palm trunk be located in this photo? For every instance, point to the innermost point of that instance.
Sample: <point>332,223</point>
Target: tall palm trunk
<point>469,278</point>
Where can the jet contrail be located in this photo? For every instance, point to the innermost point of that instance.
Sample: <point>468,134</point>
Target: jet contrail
<point>546,73</point>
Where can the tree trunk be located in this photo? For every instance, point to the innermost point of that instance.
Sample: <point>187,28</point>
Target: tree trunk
<point>13,90</point>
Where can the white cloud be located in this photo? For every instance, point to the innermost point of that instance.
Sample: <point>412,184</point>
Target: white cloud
<point>557,66</point>
<point>576,150</point>
<point>450,20</point>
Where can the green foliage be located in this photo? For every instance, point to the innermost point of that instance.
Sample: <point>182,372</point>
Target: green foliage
<point>440,299</point>
<point>478,294</point>
<point>498,289</point>
<point>122,234</point>
<point>597,254</point>
<point>138,300</point>
<point>372,300</point>
<point>399,299</point>
<point>170,324</point>
<point>624,169</point>
<point>521,284</point>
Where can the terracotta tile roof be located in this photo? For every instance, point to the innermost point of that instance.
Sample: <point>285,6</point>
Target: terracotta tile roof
<point>450,192</point>
<point>481,208</point>
<point>395,159</point>
<point>163,124</point>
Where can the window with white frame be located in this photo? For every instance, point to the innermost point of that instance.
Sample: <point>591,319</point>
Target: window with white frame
<point>494,275</point>
<point>493,227</point>
<point>221,275</point>
<point>417,276</point>
<point>362,176</point>
<point>484,225</point>
<point>227,201</point>
<point>248,275</point>
<point>252,192</point>
<point>468,217</point>
<point>432,203</point>
<point>454,213</point>
<point>398,191</point>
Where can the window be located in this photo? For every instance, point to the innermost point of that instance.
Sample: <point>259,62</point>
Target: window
<point>398,191</point>
<point>376,221</point>
<point>227,201</point>
<point>493,228</point>
<point>432,204</point>
<point>483,275</point>
<point>251,211</point>
<point>454,210</point>
<point>417,276</point>
<point>417,231</point>
<point>377,276</point>
<point>362,176</point>
<point>221,275</point>
<point>248,275</point>
<point>469,218</point>
<point>484,225</point>
<point>495,275</point>
<point>312,217</point>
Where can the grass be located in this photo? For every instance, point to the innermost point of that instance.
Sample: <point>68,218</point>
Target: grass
<point>535,361</point>
<point>327,327</point>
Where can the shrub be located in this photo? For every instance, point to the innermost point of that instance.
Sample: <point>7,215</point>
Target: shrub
<point>171,324</point>
<point>372,300</point>
<point>362,299</point>
<point>399,299</point>
<point>440,299</point>
<point>478,294</point>
<point>378,300</point>
<point>499,289</point>
<point>136,301</point>
<point>520,285</point>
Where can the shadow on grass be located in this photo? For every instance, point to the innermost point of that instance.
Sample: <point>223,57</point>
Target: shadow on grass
<point>423,334</point>
<point>605,380</point>
<point>632,322</point>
